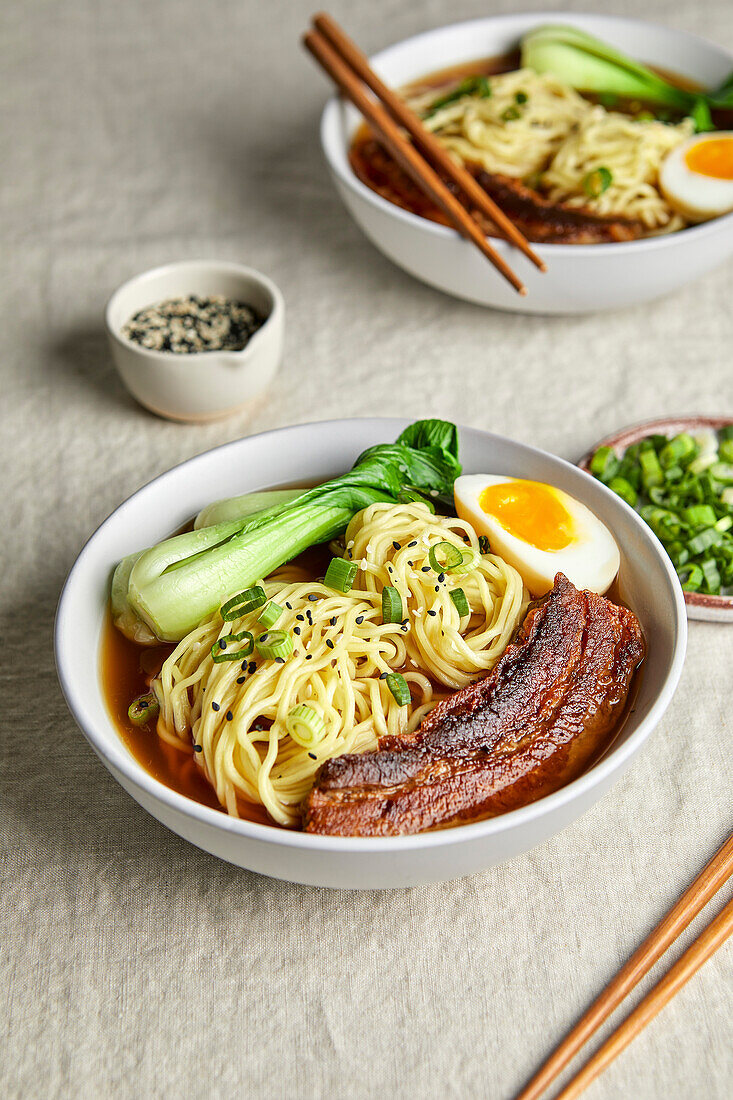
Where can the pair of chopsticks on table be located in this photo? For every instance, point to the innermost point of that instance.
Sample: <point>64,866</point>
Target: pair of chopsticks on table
<point>695,898</point>
<point>424,157</point>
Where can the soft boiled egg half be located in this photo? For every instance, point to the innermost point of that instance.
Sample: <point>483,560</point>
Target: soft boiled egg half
<point>696,178</point>
<point>539,530</point>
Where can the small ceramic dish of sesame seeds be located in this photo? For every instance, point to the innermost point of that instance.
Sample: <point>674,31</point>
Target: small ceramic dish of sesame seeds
<point>196,340</point>
<point>700,537</point>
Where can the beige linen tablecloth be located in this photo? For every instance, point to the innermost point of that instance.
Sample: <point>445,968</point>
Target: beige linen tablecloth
<point>134,965</point>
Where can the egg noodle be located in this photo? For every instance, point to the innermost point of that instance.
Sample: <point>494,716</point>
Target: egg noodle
<point>235,713</point>
<point>535,128</point>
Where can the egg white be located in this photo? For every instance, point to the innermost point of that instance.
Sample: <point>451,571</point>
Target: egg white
<point>696,196</point>
<point>590,561</point>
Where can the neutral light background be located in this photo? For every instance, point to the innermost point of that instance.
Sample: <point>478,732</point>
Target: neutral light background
<point>132,964</point>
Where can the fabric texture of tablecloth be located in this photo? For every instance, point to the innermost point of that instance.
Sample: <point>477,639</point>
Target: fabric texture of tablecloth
<point>132,964</point>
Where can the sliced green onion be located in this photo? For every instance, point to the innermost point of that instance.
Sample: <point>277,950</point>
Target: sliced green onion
<point>221,652</point>
<point>725,450</point>
<point>624,489</point>
<point>391,605</point>
<point>707,538</point>
<point>144,709</point>
<point>461,603</point>
<point>273,644</point>
<point>724,524</point>
<point>450,557</point>
<point>703,462</point>
<point>680,449</point>
<point>510,114</point>
<point>472,85</point>
<point>340,574</point>
<point>722,471</point>
<point>243,603</point>
<point>520,98</point>
<point>397,684</point>
<point>270,615</point>
<point>651,470</point>
<point>693,578</point>
<point>305,726</point>
<point>604,464</point>
<point>596,182</point>
<point>711,574</point>
<point>700,515</point>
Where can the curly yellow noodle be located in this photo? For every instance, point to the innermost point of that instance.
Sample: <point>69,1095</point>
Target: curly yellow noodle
<point>237,718</point>
<point>556,138</point>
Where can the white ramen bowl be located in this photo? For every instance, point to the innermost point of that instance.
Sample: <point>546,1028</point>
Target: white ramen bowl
<point>579,278</point>
<point>320,451</point>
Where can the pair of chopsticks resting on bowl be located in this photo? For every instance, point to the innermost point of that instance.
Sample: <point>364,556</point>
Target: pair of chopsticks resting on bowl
<point>423,158</point>
<point>695,898</point>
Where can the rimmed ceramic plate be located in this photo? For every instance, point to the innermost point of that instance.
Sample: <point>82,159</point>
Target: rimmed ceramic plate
<point>317,452</point>
<point>718,609</point>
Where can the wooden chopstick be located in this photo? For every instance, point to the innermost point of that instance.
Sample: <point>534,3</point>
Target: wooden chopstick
<point>404,152</point>
<point>425,141</point>
<point>695,898</point>
<point>706,944</point>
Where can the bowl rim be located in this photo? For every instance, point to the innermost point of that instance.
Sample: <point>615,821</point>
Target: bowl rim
<point>194,359</point>
<point>117,757</point>
<point>332,146</point>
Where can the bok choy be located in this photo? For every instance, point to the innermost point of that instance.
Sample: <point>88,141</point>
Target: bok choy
<point>590,65</point>
<point>166,591</point>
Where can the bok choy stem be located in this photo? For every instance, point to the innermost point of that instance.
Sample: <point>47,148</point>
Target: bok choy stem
<point>173,586</point>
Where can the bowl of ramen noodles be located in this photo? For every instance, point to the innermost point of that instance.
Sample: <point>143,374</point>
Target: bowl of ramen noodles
<point>432,654</point>
<point>607,141</point>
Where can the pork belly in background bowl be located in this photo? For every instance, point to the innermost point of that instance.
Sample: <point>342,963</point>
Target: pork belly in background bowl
<point>580,278</point>
<point>647,584</point>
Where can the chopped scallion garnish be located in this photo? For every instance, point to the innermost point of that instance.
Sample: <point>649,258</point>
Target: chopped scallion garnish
<point>461,603</point>
<point>340,574</point>
<point>444,557</point>
<point>596,182</point>
<point>144,709</point>
<point>243,603</point>
<point>270,615</point>
<point>306,726</point>
<point>273,644</point>
<point>399,687</point>
<point>225,648</point>
<point>391,605</point>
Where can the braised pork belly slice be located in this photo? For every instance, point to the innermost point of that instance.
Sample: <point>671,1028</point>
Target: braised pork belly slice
<point>536,722</point>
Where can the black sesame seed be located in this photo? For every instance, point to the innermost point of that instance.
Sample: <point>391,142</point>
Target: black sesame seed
<point>241,679</point>
<point>279,660</point>
<point>215,706</point>
<point>312,756</point>
<point>289,606</point>
<point>222,643</point>
<point>359,620</point>
<point>296,630</point>
<point>300,618</point>
<point>396,544</point>
<point>252,667</point>
<point>312,596</point>
<point>329,643</point>
<point>334,620</point>
<point>309,656</point>
<point>405,628</point>
<point>437,588</point>
<point>441,577</point>
<point>198,748</point>
<point>230,716</point>
<point>384,675</point>
<point>433,613</point>
<point>413,543</point>
<point>425,569</point>
<point>244,666</point>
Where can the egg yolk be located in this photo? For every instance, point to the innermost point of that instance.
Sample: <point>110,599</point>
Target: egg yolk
<point>531,512</point>
<point>712,158</point>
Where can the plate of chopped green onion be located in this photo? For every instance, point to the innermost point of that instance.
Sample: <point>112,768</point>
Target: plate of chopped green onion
<point>677,473</point>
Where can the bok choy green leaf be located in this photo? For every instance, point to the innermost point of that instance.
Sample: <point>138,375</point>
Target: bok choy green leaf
<point>171,587</point>
<point>590,65</point>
